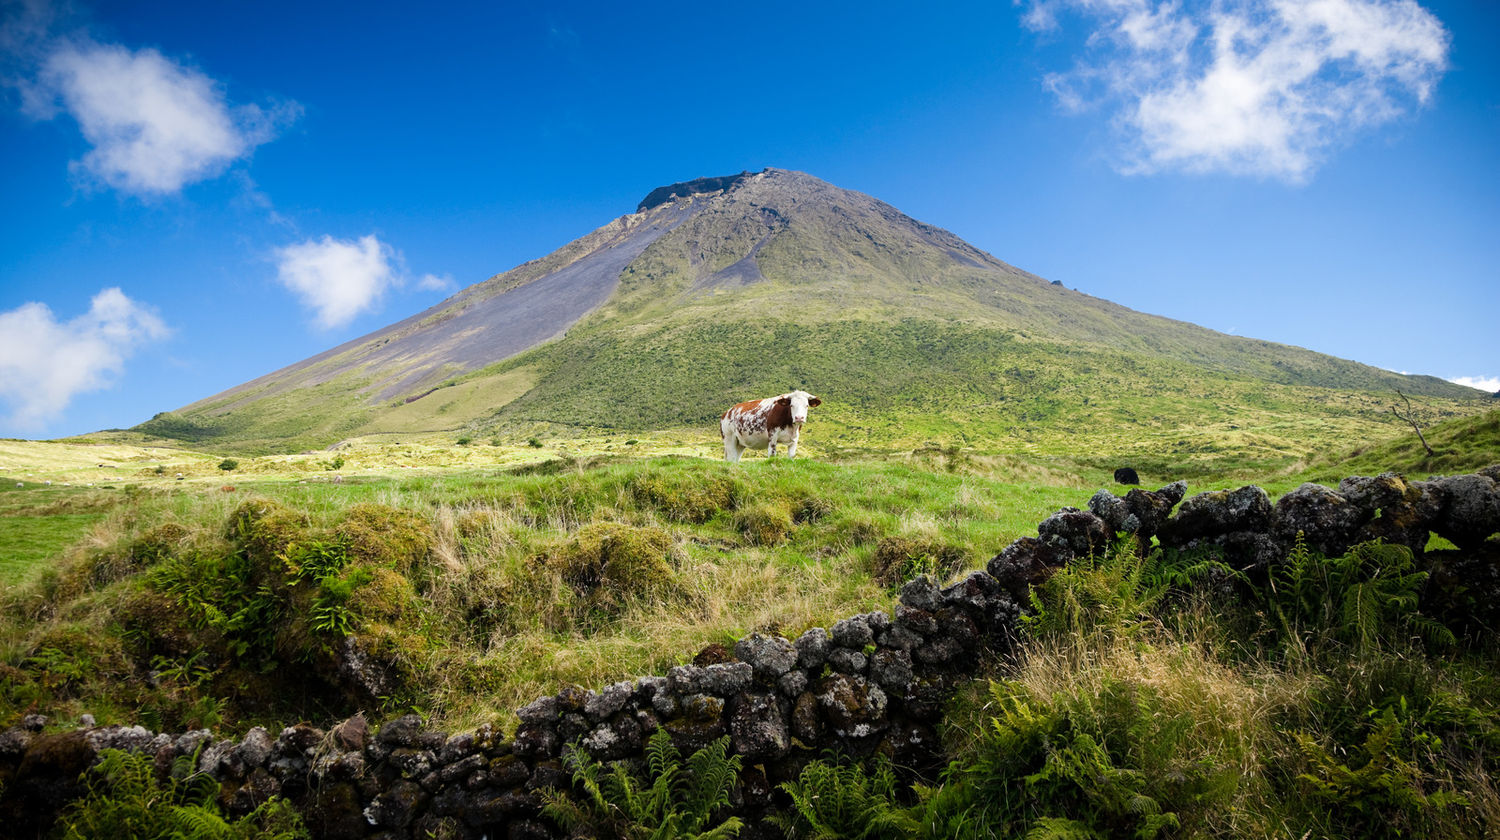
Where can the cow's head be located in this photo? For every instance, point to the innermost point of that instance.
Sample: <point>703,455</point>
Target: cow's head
<point>799,402</point>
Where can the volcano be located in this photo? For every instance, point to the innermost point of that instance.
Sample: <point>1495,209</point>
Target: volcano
<point>720,289</point>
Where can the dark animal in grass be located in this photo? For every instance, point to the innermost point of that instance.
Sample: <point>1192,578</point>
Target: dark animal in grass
<point>1126,475</point>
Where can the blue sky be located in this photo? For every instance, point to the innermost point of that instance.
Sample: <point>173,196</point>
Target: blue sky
<point>195,194</point>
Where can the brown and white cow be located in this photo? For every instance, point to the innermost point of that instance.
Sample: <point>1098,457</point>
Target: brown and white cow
<point>765,423</point>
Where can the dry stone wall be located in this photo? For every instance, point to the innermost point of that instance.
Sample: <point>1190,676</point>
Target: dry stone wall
<point>875,682</point>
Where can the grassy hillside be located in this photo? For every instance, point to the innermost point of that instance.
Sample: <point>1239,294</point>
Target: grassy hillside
<point>1461,444</point>
<point>910,335</point>
<point>471,579</point>
<point>471,589</point>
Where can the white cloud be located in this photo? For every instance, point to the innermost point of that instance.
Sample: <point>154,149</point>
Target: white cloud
<point>338,278</point>
<point>155,125</point>
<point>1483,383</point>
<point>44,363</point>
<point>434,283</point>
<point>1257,87</point>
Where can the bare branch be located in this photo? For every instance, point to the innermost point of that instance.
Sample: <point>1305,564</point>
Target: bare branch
<point>1409,418</point>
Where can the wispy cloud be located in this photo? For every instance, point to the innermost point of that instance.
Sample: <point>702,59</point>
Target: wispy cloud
<point>434,283</point>
<point>155,125</point>
<point>1251,87</point>
<point>1483,383</point>
<point>44,364</point>
<point>338,278</point>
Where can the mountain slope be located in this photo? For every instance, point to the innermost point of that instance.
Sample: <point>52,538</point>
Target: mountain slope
<point>723,288</point>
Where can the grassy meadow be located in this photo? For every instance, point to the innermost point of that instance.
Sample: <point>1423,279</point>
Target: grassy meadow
<point>460,575</point>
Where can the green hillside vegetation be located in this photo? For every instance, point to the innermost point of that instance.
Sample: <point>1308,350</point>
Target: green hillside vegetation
<point>473,592</point>
<point>910,335</point>
<point>1138,703</point>
<point>1461,444</point>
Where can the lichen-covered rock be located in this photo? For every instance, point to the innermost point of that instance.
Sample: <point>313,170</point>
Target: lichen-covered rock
<point>853,706</point>
<point>769,657</point>
<point>973,594</point>
<point>723,680</point>
<point>792,683</point>
<point>397,806</point>
<point>921,593</point>
<point>1217,513</point>
<point>1472,511</point>
<point>572,727</point>
<point>1327,520</point>
<point>458,747</point>
<point>1149,510</point>
<point>1025,563</point>
<point>758,727</point>
<point>900,636</point>
<point>353,733</point>
<point>1080,532</point>
<point>509,771</point>
<point>892,671</point>
<point>847,661</point>
<point>806,725</point>
<point>1110,509</point>
<point>258,787</point>
<point>130,738</point>
<point>1399,512</point>
<point>534,739</point>
<point>542,710</point>
<point>572,698</point>
<point>921,622</point>
<point>255,748</point>
<point>853,632</point>
<point>812,649</point>
<point>401,732</point>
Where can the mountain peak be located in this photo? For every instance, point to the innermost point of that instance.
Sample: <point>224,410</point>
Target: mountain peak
<point>683,189</point>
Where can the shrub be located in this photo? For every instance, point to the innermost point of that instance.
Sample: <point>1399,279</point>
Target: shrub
<point>464,440</point>
<point>899,559</point>
<point>385,536</point>
<point>264,530</point>
<point>534,443</point>
<point>764,523</point>
<point>1367,595</point>
<point>229,464</point>
<point>811,509</point>
<point>610,563</point>
<point>683,497</point>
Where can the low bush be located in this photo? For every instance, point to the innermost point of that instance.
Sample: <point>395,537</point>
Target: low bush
<point>684,497</point>
<point>764,523</point>
<point>899,559</point>
<point>610,564</point>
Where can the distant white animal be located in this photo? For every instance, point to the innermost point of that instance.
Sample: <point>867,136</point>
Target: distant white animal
<point>767,422</point>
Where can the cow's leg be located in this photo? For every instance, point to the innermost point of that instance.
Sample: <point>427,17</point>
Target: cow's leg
<point>731,449</point>
<point>791,448</point>
<point>771,446</point>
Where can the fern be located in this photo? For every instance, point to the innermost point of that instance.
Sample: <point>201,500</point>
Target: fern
<point>1358,599</point>
<point>1377,787</point>
<point>125,799</point>
<point>677,800</point>
<point>831,801</point>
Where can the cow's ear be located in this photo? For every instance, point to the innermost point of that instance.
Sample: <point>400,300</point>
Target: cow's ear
<point>814,402</point>
<point>784,401</point>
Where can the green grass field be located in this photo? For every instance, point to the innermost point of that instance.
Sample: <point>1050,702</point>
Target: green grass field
<point>150,585</point>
